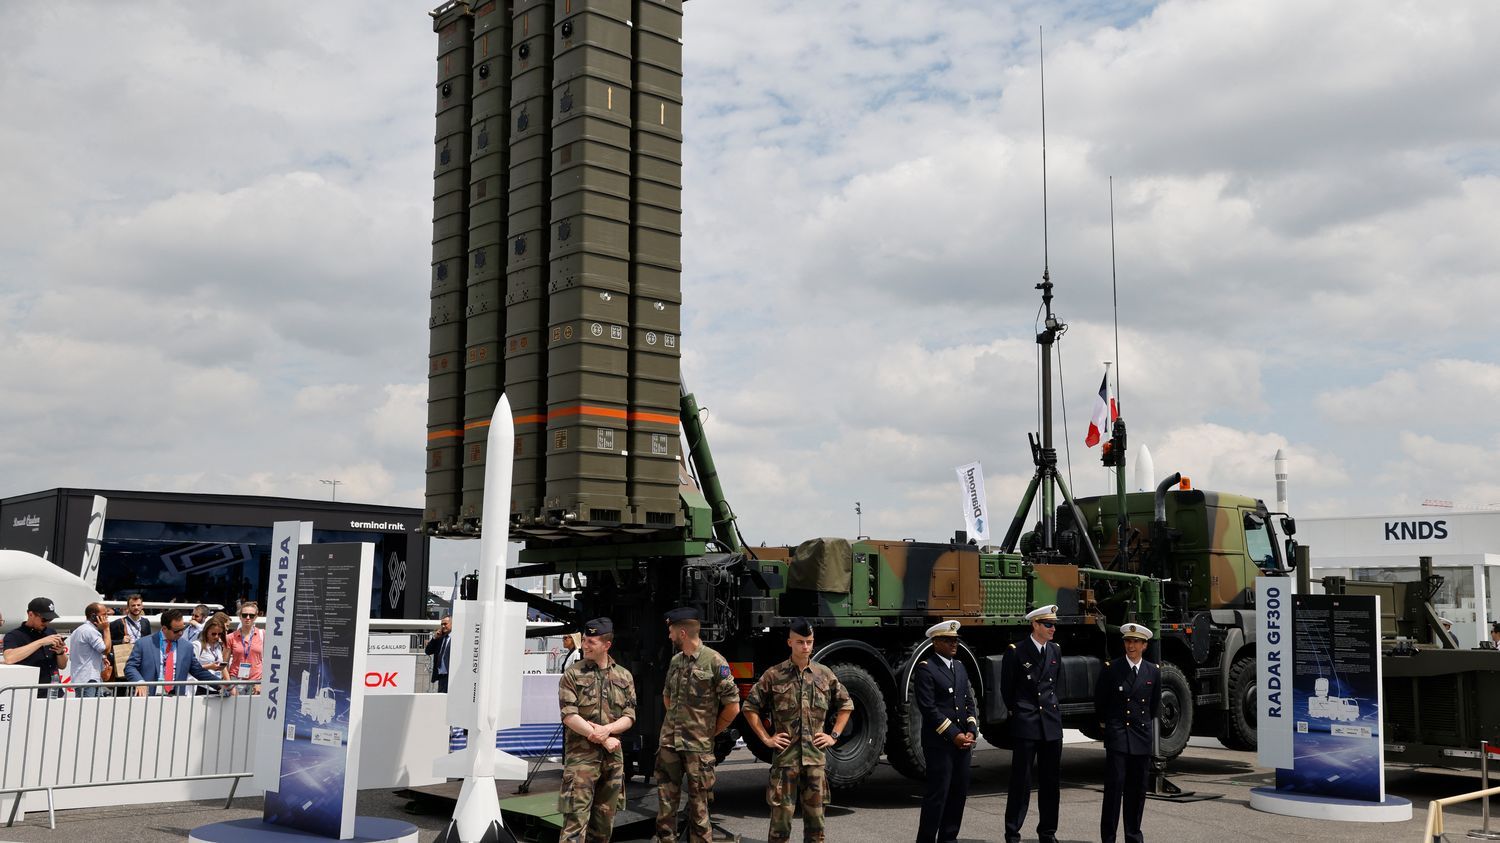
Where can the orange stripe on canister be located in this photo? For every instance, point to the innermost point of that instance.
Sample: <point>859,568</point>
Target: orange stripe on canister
<point>658,418</point>
<point>444,434</point>
<point>587,410</point>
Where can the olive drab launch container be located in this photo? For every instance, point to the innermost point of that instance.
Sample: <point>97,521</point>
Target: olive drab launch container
<point>453,24</point>
<point>587,343</point>
<point>489,185</point>
<point>526,254</point>
<point>656,264</point>
<point>557,262</point>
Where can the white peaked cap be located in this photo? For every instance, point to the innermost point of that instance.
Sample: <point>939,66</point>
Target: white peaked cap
<point>943,629</point>
<point>1042,613</point>
<point>1135,630</point>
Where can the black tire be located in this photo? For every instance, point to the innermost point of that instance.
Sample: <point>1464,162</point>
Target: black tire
<point>997,735</point>
<point>724,744</point>
<point>1092,730</point>
<point>762,753</point>
<point>1175,719</point>
<point>855,756</point>
<point>1238,731</point>
<point>903,740</point>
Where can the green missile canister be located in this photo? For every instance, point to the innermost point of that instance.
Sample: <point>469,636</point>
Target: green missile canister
<point>489,172</point>
<point>453,23</point>
<point>530,123</point>
<point>655,445</point>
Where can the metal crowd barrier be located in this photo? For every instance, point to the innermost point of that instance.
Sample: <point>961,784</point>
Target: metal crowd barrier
<point>71,740</point>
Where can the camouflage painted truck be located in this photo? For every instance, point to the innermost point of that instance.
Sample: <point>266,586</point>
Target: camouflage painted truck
<point>1189,575</point>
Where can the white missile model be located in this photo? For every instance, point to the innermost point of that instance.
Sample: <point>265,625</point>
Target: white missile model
<point>1145,470</point>
<point>484,672</point>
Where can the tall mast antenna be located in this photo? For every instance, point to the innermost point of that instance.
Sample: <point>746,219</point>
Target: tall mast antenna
<point>1046,269</point>
<point>1114,288</point>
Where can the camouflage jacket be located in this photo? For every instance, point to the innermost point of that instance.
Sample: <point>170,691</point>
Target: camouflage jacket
<point>797,702</point>
<point>696,689</point>
<point>598,695</point>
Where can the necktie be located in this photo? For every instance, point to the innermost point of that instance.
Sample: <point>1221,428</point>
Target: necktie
<point>167,670</point>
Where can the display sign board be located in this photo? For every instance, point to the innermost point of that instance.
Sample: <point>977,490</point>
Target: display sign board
<point>1336,699</point>
<point>1274,665</point>
<point>325,684</point>
<point>288,537</point>
<point>390,674</point>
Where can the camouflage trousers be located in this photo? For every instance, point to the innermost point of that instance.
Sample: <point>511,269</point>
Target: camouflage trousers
<point>593,791</point>
<point>677,772</point>
<point>790,785</point>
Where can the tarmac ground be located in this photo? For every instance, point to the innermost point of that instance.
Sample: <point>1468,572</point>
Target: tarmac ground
<point>884,808</point>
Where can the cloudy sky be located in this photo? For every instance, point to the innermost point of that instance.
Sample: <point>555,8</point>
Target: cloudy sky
<point>214,230</point>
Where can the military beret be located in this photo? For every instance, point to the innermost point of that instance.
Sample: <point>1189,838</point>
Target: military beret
<point>1135,630</point>
<point>599,626</point>
<point>1042,613</point>
<point>945,629</point>
<point>682,613</point>
<point>800,626</point>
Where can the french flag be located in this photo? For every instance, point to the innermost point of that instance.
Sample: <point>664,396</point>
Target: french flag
<point>1105,412</point>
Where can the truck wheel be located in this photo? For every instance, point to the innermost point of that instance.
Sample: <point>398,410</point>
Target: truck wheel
<point>1176,718</point>
<point>853,758</point>
<point>1238,730</point>
<point>997,735</point>
<point>762,753</point>
<point>903,742</point>
<point>724,744</point>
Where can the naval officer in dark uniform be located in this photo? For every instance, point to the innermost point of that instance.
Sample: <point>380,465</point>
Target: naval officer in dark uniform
<point>949,724</point>
<point>1028,684</point>
<point>1127,698</point>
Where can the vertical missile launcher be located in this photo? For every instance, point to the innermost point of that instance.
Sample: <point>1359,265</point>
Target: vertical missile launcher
<point>558,242</point>
<point>454,25</point>
<point>557,264</point>
<point>489,187</point>
<point>530,125</point>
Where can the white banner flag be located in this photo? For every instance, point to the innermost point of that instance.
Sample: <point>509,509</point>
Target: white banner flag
<point>976,507</point>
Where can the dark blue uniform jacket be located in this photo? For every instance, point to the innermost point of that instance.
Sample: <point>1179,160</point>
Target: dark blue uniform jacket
<point>1028,684</point>
<point>1127,704</point>
<point>943,698</point>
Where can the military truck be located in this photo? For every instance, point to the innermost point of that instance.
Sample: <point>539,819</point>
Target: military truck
<point>556,278</point>
<point>1438,702</point>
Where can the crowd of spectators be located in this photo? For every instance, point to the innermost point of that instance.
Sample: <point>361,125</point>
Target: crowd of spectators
<point>186,655</point>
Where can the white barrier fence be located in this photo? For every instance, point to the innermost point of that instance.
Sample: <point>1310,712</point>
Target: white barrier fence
<point>82,752</point>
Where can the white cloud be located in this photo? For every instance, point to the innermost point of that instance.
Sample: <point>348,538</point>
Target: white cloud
<point>213,247</point>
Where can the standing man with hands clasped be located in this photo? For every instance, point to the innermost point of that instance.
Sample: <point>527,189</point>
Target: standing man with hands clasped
<point>1127,697</point>
<point>949,723</point>
<point>596,697</point>
<point>700,700</point>
<point>787,710</point>
<point>1028,685</point>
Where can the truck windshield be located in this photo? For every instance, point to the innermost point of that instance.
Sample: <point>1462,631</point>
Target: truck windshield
<point>1258,544</point>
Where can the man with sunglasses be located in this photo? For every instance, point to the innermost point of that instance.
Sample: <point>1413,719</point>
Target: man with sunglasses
<point>245,646</point>
<point>1029,673</point>
<point>165,657</point>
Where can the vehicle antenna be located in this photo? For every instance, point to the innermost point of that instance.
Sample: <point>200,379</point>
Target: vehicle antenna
<point>1114,289</point>
<point>1047,481</point>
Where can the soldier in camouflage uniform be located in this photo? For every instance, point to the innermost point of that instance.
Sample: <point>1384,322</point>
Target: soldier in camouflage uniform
<point>701,700</point>
<point>787,710</point>
<point>596,698</point>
